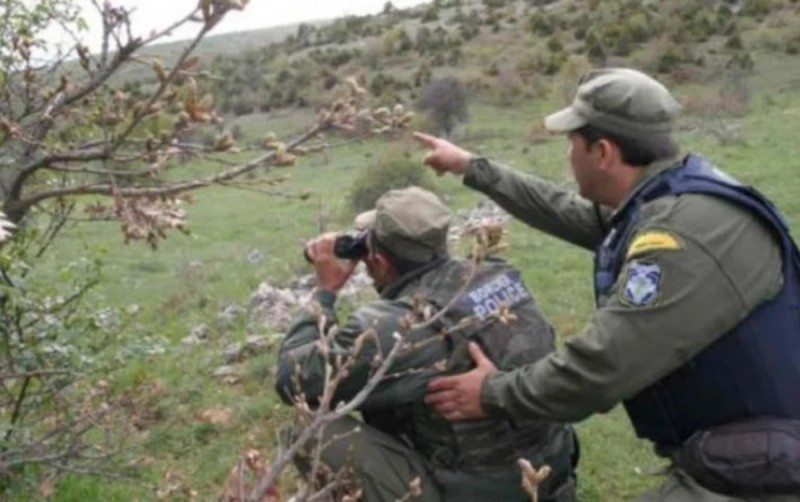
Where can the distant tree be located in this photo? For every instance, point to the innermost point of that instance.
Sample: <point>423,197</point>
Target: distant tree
<point>423,75</point>
<point>734,42</point>
<point>431,15</point>
<point>396,41</point>
<point>445,102</point>
<point>423,42</point>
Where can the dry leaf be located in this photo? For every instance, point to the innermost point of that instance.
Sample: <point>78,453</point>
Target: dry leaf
<point>244,477</point>
<point>232,380</point>
<point>175,485</point>
<point>218,416</point>
<point>47,488</point>
<point>532,477</point>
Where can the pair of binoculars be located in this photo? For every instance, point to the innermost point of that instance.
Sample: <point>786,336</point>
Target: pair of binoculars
<point>347,246</point>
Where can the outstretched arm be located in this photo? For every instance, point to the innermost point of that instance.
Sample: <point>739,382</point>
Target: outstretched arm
<point>533,200</point>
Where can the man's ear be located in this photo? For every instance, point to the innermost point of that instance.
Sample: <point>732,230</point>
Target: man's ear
<point>609,153</point>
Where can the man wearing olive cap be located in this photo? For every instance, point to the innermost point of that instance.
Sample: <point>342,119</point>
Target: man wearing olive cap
<point>697,327</point>
<point>401,438</point>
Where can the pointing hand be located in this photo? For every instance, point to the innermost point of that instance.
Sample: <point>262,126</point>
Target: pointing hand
<point>443,156</point>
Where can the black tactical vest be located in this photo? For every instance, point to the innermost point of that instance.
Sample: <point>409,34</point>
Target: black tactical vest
<point>752,371</point>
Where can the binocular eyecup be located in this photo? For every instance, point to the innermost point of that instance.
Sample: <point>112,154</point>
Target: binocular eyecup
<point>347,246</point>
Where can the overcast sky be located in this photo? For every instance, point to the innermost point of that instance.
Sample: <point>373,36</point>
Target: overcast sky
<point>154,14</point>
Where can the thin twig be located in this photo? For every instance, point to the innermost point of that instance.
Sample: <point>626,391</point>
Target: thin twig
<point>168,189</point>
<point>31,374</point>
<point>322,418</point>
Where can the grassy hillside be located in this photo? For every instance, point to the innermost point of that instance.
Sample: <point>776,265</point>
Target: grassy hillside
<point>743,115</point>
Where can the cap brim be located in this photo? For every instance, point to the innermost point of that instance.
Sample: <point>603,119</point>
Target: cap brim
<point>563,121</point>
<point>365,220</point>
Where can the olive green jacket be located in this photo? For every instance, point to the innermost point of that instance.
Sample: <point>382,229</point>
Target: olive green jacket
<point>722,263</point>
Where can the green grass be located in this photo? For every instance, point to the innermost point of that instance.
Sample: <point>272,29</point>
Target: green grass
<point>191,278</point>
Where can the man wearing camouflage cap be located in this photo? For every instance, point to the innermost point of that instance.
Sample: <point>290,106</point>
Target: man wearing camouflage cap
<point>401,438</point>
<point>697,327</point>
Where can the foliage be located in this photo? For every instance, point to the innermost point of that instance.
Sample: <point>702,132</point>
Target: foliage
<point>73,136</point>
<point>396,168</point>
<point>793,45</point>
<point>288,74</point>
<point>53,341</point>
<point>446,104</point>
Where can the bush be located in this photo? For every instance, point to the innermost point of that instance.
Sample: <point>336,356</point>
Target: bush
<point>431,15</point>
<point>756,8</point>
<point>541,24</point>
<point>793,45</point>
<point>395,168</point>
<point>445,102</point>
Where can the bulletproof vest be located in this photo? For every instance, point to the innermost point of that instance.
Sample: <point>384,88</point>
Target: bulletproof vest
<point>751,371</point>
<point>469,302</point>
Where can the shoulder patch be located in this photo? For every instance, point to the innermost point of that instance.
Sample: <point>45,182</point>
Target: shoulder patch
<point>642,284</point>
<point>654,241</point>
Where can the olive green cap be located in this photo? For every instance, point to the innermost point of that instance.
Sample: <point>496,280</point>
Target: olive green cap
<point>621,101</point>
<point>410,222</point>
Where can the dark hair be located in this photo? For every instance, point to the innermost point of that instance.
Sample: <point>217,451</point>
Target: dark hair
<point>635,151</point>
<point>402,265</point>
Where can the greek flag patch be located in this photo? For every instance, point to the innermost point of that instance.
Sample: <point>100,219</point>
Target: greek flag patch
<point>487,297</point>
<point>642,283</point>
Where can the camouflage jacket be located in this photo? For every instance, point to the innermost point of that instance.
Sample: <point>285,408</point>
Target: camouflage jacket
<point>396,406</point>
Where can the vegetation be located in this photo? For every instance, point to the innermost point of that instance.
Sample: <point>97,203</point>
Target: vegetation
<point>396,167</point>
<point>445,102</point>
<point>74,139</point>
<point>116,318</point>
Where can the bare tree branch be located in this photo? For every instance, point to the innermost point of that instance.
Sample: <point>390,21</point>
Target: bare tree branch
<point>32,374</point>
<point>167,189</point>
<point>322,418</point>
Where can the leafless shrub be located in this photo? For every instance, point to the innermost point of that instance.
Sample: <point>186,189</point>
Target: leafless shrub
<point>445,102</point>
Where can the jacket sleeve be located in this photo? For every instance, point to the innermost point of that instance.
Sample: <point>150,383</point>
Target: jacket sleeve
<point>703,288</point>
<point>302,365</point>
<point>540,203</point>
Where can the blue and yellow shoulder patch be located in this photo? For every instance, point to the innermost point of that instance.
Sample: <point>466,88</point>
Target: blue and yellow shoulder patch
<point>654,240</point>
<point>642,284</point>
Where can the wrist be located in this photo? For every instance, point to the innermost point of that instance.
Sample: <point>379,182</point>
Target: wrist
<point>491,405</point>
<point>480,174</point>
<point>475,162</point>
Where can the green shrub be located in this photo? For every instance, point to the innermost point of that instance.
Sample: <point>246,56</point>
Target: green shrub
<point>542,24</point>
<point>793,45</point>
<point>756,8</point>
<point>734,42</point>
<point>394,168</point>
<point>554,44</point>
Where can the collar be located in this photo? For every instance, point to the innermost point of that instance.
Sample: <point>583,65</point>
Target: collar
<point>648,173</point>
<point>398,285</point>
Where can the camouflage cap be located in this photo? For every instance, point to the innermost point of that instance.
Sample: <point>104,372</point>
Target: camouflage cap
<point>621,101</point>
<point>411,222</point>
